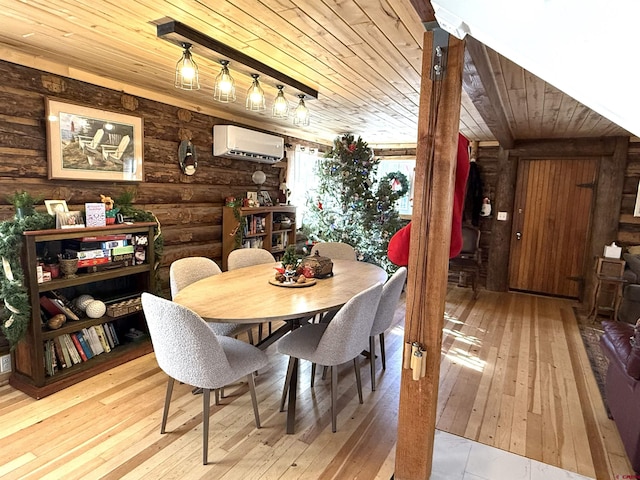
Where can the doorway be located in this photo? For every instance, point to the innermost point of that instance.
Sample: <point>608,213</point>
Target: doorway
<point>551,225</point>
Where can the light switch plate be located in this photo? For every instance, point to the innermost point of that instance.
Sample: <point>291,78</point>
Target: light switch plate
<point>502,216</point>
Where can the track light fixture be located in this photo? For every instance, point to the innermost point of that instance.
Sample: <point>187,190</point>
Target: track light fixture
<point>225,87</point>
<point>187,70</point>
<point>255,96</point>
<point>301,113</point>
<point>280,104</point>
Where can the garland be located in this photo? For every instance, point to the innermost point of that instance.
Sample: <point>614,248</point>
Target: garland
<point>15,315</point>
<point>238,233</point>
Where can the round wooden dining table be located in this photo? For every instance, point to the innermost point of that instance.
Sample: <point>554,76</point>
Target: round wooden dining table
<point>246,296</point>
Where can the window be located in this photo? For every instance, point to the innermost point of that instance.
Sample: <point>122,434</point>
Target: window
<point>405,204</point>
<point>301,179</point>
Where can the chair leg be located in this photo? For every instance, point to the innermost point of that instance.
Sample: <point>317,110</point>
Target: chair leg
<point>250,335</point>
<point>334,397</point>
<point>313,374</point>
<point>287,380</point>
<point>259,333</point>
<point>324,373</point>
<point>216,396</point>
<point>167,401</point>
<point>206,396</point>
<point>254,400</point>
<point>382,352</point>
<point>372,361</point>
<point>356,367</point>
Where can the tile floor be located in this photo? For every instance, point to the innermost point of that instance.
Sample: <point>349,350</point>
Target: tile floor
<point>456,458</point>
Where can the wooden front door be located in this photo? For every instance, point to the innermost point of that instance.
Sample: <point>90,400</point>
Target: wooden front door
<point>551,222</point>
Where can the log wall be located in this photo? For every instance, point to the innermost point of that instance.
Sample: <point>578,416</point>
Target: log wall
<point>189,208</point>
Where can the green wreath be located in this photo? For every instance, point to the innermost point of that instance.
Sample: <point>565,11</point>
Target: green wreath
<point>386,184</point>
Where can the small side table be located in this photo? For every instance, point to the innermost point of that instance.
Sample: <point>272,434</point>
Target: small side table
<point>608,291</point>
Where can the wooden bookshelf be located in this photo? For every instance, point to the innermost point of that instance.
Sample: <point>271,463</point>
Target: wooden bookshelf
<point>262,229</point>
<point>30,373</point>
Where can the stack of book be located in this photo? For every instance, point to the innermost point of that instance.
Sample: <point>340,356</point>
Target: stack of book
<point>69,349</point>
<point>101,252</point>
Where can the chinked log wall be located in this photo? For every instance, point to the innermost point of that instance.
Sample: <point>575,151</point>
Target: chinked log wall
<point>189,208</point>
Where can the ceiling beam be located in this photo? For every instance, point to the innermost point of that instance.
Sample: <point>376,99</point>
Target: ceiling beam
<point>479,82</point>
<point>424,10</point>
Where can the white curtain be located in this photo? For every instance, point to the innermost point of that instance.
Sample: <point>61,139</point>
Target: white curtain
<point>301,179</point>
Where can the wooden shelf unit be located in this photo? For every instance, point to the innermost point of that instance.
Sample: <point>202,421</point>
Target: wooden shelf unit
<point>28,358</point>
<point>269,238</point>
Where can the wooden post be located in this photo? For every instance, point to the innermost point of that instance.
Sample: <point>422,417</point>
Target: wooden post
<point>428,258</point>
<point>500,246</point>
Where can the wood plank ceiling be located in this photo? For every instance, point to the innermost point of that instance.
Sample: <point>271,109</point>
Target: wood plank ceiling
<point>363,56</point>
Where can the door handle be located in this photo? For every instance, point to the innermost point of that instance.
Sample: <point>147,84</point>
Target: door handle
<point>518,235</point>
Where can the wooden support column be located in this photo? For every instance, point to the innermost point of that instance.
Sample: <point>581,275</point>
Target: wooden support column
<point>428,258</point>
<point>500,247</point>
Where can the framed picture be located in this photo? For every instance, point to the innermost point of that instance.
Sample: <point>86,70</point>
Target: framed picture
<point>85,143</point>
<point>69,219</point>
<point>265,199</point>
<point>54,206</point>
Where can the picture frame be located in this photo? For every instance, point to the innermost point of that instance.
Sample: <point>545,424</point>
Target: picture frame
<point>265,199</point>
<point>73,219</point>
<point>85,143</point>
<point>54,206</point>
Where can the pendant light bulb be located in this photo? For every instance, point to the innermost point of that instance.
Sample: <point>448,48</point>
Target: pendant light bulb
<point>301,113</point>
<point>187,77</point>
<point>255,96</point>
<point>225,87</point>
<point>280,104</point>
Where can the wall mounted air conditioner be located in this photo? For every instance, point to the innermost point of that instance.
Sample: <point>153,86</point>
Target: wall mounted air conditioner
<point>230,141</point>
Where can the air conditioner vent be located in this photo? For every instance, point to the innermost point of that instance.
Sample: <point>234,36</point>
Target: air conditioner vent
<point>230,141</point>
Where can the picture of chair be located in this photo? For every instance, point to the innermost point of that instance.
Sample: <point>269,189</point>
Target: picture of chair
<point>114,153</point>
<point>90,142</point>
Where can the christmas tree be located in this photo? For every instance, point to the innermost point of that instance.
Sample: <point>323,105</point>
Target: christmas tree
<point>351,205</point>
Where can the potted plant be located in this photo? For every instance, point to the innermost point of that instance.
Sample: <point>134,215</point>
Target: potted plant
<point>23,203</point>
<point>290,257</point>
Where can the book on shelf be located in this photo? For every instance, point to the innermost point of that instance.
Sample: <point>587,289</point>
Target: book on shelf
<point>114,334</point>
<point>91,336</point>
<point>68,304</point>
<point>107,335</point>
<point>71,348</point>
<point>84,345</point>
<point>102,336</point>
<point>63,355</point>
<point>49,358</point>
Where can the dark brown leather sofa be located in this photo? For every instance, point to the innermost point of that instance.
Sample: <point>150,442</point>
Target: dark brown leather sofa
<point>621,344</point>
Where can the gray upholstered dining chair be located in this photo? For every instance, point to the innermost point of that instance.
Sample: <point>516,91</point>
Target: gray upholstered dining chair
<point>384,316</point>
<point>246,257</point>
<point>188,270</point>
<point>335,250</point>
<point>188,351</point>
<point>332,344</point>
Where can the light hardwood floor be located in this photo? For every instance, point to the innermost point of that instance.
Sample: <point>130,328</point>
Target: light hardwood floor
<point>514,375</point>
